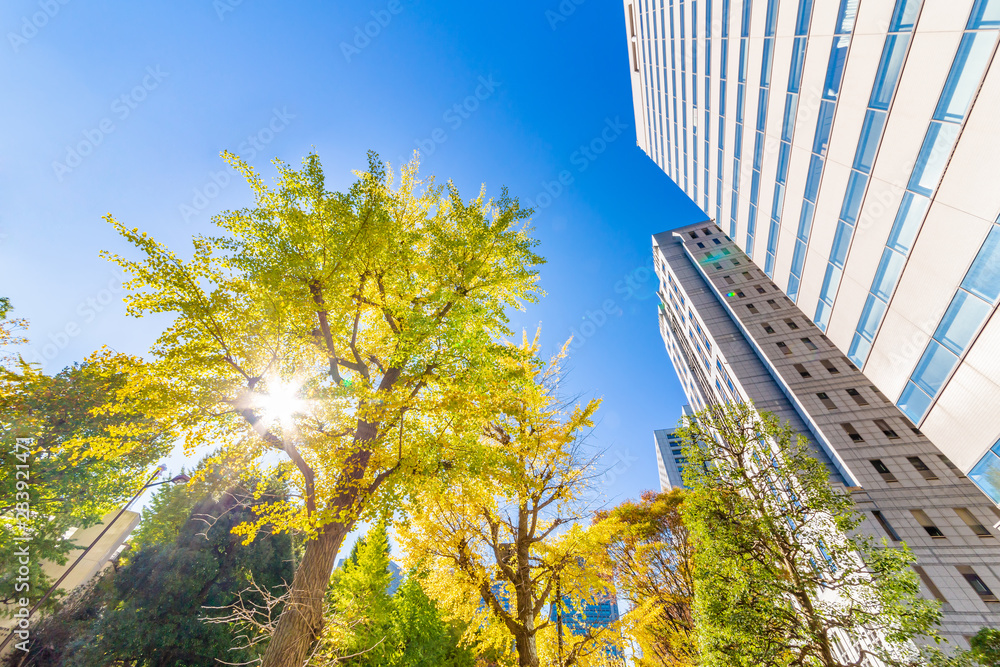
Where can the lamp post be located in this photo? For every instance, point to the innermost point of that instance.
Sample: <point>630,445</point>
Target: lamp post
<point>179,479</point>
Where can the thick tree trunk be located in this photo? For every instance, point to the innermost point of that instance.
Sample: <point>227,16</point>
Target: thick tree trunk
<point>302,619</point>
<point>527,652</point>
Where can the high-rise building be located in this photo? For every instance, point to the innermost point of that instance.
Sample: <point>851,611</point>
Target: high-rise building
<point>734,336</point>
<point>851,149</point>
<point>669,458</point>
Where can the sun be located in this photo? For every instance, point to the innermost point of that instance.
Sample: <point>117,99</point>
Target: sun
<point>280,403</point>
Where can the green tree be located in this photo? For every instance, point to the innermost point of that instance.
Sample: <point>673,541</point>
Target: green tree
<point>151,612</point>
<point>986,647</point>
<point>782,576</point>
<point>650,557</point>
<point>337,330</point>
<point>90,447</point>
<point>372,628</point>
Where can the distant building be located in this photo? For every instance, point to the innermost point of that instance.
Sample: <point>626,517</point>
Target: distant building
<point>669,459</point>
<point>600,611</point>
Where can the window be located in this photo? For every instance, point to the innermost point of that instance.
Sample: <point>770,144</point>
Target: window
<point>928,583</point>
<point>768,328</point>
<point>986,14</point>
<point>886,526</point>
<point>729,280</point>
<point>885,428</point>
<point>774,304</point>
<point>802,371</point>
<point>740,294</point>
<point>694,235</point>
<point>784,348</point>
<point>808,343</point>
<point>883,470</point>
<point>760,290</point>
<point>716,241</point>
<point>746,274</point>
<point>736,262</point>
<point>827,401</point>
<point>921,467</point>
<point>718,267</point>
<point>752,308</point>
<point>978,585</point>
<point>888,70</point>
<point>963,80</point>
<point>791,324</point>
<point>933,156</point>
<point>856,395</point>
<point>880,394</point>
<point>701,245</point>
<point>725,251</point>
<point>951,466</point>
<point>853,432</point>
<point>927,524</point>
<point>972,522</point>
<point>827,340</point>
<point>705,231</point>
<point>828,365</point>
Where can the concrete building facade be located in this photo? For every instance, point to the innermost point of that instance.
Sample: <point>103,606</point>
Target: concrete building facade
<point>737,337</point>
<point>850,148</point>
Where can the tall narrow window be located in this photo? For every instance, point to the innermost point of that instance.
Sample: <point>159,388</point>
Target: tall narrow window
<point>808,343</point>
<point>856,395</point>
<point>951,466</point>
<point>883,470</point>
<point>773,304</point>
<point>886,526</point>
<point>978,585</point>
<point>803,371</point>
<point>972,522</point>
<point>791,324</point>
<point>921,467</point>
<point>928,583</point>
<point>885,428</point>
<point>784,348</point>
<point>828,365</point>
<point>826,401</point>
<point>852,432</point>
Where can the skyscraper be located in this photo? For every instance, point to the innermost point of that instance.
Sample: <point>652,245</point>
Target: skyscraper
<point>737,337</point>
<point>851,150</point>
<point>669,458</point>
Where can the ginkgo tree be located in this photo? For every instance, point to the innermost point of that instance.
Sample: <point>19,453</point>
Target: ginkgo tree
<point>503,541</point>
<point>340,333</point>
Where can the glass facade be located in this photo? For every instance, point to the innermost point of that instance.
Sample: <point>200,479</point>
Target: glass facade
<point>723,67</point>
<point>788,129</point>
<point>843,30</point>
<point>967,69</point>
<point>762,100</point>
<point>891,64</point>
<point>741,86</point>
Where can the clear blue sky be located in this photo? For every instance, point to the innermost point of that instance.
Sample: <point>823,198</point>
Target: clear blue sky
<point>123,107</point>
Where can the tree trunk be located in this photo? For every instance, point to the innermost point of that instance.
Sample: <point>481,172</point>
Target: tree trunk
<point>302,619</point>
<point>527,652</point>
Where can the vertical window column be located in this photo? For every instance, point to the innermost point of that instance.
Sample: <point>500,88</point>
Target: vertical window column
<point>741,84</point>
<point>842,34</point>
<point>684,87</point>
<point>694,100</point>
<point>788,129</point>
<point>967,70</point>
<point>893,55</point>
<point>762,101</point>
<point>673,88</point>
<point>707,103</point>
<point>723,66</point>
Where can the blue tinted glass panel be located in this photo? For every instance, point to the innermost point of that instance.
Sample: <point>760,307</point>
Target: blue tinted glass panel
<point>745,27</point>
<point>802,23</point>
<point>824,124</point>
<point>805,224</point>
<point>835,69</point>
<point>983,278</point>
<point>788,121</point>
<point>772,238</point>
<point>822,317</point>
<point>859,350</point>
<point>888,70</point>
<point>871,317</point>
<point>986,475</point>
<point>779,200</point>
<point>738,142</point>
<point>725,18</point>
<point>963,80</point>
<point>795,71</point>
<point>812,180</point>
<point>905,15</point>
<point>985,14</point>
<point>841,242</point>
<point>871,133</point>
<point>758,149</point>
<point>762,108</point>
<point>830,282</point>
<point>933,367</point>
<point>908,219</point>
<point>845,19</point>
<point>852,200</point>
<point>793,287</point>
<point>913,403</point>
<point>765,67</point>
<point>933,157</point>
<point>961,321</point>
<point>754,187</point>
<point>888,273</point>
<point>797,257</point>
<point>783,153</point>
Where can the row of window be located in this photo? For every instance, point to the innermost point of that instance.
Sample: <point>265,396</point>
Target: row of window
<point>843,32</point>
<point>788,128</point>
<point>891,65</point>
<point>925,522</point>
<point>967,70</point>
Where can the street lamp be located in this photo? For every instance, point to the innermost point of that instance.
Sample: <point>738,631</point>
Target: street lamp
<point>179,479</point>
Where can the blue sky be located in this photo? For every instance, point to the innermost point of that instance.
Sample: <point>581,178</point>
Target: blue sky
<point>124,107</point>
